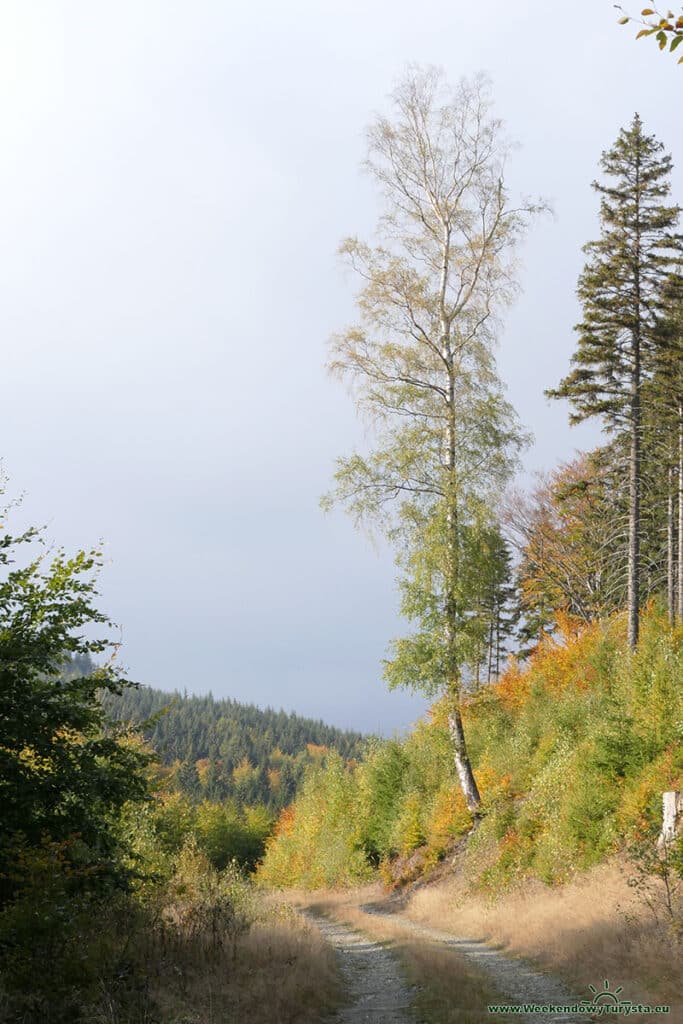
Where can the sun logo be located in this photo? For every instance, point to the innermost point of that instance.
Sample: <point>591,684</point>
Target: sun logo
<point>604,997</point>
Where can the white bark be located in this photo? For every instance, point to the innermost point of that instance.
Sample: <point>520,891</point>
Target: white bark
<point>672,818</point>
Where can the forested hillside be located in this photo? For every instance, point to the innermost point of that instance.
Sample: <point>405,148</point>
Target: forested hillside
<point>221,749</point>
<point>571,753</point>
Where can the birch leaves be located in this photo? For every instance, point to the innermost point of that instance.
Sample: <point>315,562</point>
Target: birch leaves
<point>421,364</point>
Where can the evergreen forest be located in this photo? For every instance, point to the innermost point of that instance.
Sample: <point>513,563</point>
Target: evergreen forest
<point>223,750</point>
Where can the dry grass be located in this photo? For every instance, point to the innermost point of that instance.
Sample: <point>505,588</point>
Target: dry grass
<point>283,973</point>
<point>589,930</point>
<point>447,988</point>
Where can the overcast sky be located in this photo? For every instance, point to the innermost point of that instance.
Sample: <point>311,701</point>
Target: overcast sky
<point>174,180</point>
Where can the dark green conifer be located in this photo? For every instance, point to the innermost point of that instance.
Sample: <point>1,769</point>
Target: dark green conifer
<point>619,289</point>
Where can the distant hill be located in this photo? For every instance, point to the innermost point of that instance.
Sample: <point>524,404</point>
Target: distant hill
<point>221,749</point>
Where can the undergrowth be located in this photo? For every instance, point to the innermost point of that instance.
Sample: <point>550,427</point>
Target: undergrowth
<point>572,752</point>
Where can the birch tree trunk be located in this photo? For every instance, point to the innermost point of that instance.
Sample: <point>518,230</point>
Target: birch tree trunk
<point>463,765</point>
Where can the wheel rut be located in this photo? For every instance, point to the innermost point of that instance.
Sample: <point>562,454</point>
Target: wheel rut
<point>379,994</point>
<point>517,981</point>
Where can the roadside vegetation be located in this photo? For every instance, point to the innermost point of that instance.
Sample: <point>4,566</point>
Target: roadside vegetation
<point>120,899</point>
<point>547,625</point>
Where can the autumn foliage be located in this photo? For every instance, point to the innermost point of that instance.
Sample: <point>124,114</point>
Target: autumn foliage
<point>571,749</point>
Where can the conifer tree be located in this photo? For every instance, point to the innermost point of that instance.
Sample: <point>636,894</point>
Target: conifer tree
<point>619,290</point>
<point>667,391</point>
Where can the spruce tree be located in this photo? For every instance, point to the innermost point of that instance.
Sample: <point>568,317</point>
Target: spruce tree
<point>667,393</point>
<point>619,290</point>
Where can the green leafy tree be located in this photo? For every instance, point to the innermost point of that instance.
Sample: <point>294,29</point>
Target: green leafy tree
<point>64,774</point>
<point>422,365</point>
<point>619,290</point>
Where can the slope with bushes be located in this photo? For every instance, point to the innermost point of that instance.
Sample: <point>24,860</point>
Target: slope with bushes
<point>571,751</point>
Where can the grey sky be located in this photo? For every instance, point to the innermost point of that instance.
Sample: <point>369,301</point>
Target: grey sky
<point>174,180</point>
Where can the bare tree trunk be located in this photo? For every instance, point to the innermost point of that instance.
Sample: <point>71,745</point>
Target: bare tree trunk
<point>680,511</point>
<point>633,587</point>
<point>672,816</point>
<point>670,553</point>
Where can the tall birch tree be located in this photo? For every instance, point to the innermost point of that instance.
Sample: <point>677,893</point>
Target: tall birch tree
<point>421,363</point>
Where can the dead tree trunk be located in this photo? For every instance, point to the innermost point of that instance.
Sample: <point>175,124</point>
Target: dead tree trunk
<point>672,818</point>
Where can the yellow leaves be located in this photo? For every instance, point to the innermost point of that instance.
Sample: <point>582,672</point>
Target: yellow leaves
<point>448,818</point>
<point>667,30</point>
<point>243,772</point>
<point>31,759</point>
<point>409,832</point>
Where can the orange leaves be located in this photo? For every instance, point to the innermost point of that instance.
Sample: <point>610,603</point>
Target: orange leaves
<point>285,823</point>
<point>513,685</point>
<point>492,784</point>
<point>315,751</point>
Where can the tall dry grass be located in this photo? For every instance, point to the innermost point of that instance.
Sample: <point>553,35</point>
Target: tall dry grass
<point>594,928</point>
<point>283,973</point>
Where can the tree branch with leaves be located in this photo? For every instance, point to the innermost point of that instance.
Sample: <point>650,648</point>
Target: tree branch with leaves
<point>667,29</point>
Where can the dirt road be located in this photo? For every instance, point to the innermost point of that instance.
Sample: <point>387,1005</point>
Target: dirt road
<point>379,993</point>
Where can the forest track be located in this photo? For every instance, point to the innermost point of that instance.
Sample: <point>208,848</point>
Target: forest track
<point>376,989</point>
<point>516,980</point>
<point>379,993</point>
